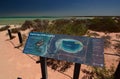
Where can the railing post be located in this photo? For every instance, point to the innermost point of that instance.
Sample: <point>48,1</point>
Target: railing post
<point>9,33</point>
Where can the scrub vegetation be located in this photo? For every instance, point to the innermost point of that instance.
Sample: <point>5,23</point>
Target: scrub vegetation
<point>76,27</point>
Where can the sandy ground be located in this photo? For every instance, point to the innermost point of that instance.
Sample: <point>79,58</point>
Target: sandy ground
<point>14,63</point>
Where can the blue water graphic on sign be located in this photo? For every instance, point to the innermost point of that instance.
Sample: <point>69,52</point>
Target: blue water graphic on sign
<point>76,49</point>
<point>69,45</point>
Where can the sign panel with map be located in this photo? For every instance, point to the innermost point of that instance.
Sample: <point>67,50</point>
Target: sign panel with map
<point>83,50</point>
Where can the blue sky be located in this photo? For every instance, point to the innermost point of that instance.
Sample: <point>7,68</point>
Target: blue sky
<point>59,7</point>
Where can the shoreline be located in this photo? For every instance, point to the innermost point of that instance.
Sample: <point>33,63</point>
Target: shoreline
<point>21,20</point>
<point>11,26</point>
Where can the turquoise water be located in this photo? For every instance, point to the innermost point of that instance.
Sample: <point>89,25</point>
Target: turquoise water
<point>5,21</point>
<point>21,20</point>
<point>69,45</point>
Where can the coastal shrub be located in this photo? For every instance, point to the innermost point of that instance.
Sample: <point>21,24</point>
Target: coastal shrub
<point>37,25</point>
<point>37,21</point>
<point>4,28</point>
<point>41,26</point>
<point>27,25</point>
<point>58,26</point>
<point>58,65</point>
<point>99,72</point>
<point>45,24</point>
<point>15,30</point>
<point>104,25</point>
<point>103,73</point>
<point>59,22</point>
<point>68,27</point>
<point>79,29</point>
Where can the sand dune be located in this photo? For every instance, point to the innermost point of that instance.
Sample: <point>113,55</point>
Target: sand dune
<point>14,63</point>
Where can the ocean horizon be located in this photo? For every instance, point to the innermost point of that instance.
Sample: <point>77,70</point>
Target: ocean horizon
<point>21,19</point>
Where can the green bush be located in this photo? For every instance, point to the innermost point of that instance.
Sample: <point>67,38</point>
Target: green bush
<point>15,30</point>
<point>36,25</point>
<point>104,25</point>
<point>4,28</point>
<point>27,25</point>
<point>68,27</point>
<point>103,73</point>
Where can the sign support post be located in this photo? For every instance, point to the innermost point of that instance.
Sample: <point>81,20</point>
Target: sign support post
<point>76,71</point>
<point>43,67</point>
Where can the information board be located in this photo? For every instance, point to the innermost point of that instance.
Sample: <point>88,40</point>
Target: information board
<point>78,49</point>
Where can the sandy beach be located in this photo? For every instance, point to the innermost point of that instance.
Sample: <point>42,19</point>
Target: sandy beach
<point>14,63</point>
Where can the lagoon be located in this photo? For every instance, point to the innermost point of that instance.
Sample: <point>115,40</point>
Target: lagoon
<point>21,20</point>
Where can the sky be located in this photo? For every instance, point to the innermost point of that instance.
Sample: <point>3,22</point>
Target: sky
<point>59,8</point>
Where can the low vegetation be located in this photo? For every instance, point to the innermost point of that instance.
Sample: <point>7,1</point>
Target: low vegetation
<point>105,24</point>
<point>36,25</point>
<point>75,27</point>
<point>103,73</point>
<point>15,30</point>
<point>4,28</point>
<point>68,27</point>
<point>99,72</point>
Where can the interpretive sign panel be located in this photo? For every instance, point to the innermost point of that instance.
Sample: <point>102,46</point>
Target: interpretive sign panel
<point>83,50</point>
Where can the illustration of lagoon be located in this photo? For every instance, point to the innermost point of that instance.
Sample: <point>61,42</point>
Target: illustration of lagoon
<point>69,45</point>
